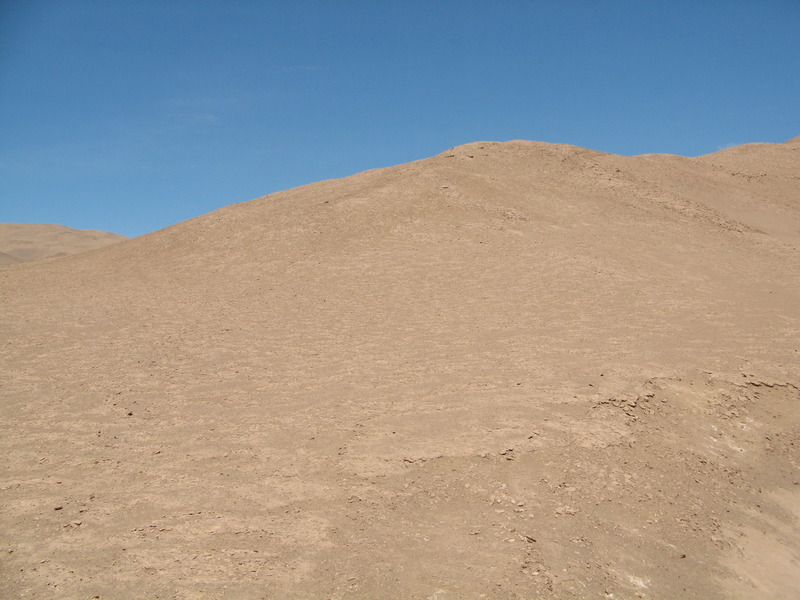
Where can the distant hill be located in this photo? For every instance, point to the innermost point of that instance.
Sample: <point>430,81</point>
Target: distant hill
<point>7,260</point>
<point>27,243</point>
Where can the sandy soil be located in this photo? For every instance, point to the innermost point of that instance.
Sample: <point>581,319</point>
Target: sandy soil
<point>513,370</point>
<point>21,242</point>
<point>8,260</point>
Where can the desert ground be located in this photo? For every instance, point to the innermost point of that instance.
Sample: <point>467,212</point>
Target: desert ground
<point>21,242</point>
<point>513,370</point>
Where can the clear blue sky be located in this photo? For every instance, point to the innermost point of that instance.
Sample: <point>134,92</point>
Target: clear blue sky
<point>130,116</point>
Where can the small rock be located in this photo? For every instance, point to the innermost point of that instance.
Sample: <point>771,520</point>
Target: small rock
<point>565,510</point>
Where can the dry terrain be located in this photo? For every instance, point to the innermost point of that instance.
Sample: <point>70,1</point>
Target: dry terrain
<point>513,370</point>
<point>21,242</point>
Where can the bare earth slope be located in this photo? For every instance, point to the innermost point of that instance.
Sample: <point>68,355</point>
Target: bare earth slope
<point>513,370</point>
<point>27,242</point>
<point>8,260</point>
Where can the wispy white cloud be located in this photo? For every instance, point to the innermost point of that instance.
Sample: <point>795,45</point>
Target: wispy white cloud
<point>208,103</point>
<point>204,117</point>
<point>198,117</point>
<point>294,68</point>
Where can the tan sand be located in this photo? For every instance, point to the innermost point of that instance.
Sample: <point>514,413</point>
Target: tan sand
<point>513,370</point>
<point>8,260</point>
<point>25,243</point>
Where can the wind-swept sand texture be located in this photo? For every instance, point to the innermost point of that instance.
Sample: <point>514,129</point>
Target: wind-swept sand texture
<point>8,260</point>
<point>24,242</point>
<point>513,370</point>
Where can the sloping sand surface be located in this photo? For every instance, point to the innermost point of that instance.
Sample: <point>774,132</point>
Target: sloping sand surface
<point>27,242</point>
<point>7,260</point>
<point>512,370</point>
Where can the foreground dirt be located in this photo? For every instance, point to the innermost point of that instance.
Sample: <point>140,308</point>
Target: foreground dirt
<point>514,370</point>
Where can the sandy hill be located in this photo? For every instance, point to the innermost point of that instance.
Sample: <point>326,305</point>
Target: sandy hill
<point>26,242</point>
<point>7,260</point>
<point>512,370</point>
